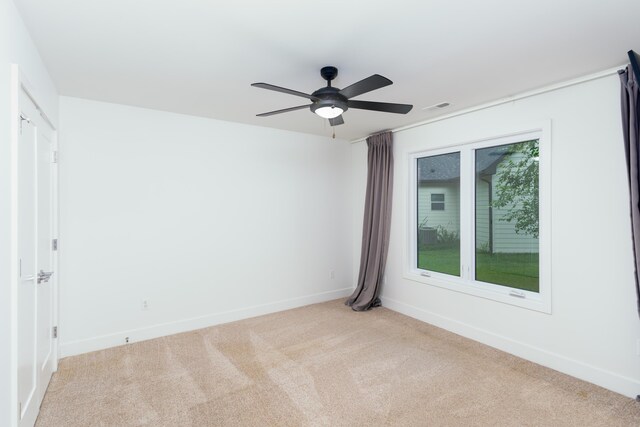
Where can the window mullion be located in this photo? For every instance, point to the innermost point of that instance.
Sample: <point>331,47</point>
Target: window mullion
<point>466,213</point>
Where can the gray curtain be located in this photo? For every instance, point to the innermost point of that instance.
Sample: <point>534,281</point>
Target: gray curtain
<point>376,224</point>
<point>630,124</point>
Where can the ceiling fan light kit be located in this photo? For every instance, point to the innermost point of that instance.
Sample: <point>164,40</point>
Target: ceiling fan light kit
<point>327,112</point>
<point>330,102</point>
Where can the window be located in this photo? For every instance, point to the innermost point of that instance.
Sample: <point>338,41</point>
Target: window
<point>488,241</point>
<point>437,240</point>
<point>437,201</point>
<point>507,215</point>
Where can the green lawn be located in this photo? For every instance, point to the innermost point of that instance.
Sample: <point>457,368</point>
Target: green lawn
<point>442,260</point>
<point>514,270</point>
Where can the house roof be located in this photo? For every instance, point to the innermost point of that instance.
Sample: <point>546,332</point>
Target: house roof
<point>446,167</point>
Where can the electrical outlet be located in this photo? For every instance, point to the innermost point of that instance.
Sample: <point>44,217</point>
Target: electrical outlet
<point>333,274</point>
<point>144,305</point>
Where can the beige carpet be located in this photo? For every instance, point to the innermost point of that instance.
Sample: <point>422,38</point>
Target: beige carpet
<point>321,365</point>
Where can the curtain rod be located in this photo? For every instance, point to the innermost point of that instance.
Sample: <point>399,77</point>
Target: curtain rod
<point>540,91</point>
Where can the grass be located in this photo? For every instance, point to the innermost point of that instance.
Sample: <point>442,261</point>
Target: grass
<point>442,260</point>
<point>515,270</point>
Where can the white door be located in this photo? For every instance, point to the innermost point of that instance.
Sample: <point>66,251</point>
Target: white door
<point>44,257</point>
<point>36,356</point>
<point>27,290</point>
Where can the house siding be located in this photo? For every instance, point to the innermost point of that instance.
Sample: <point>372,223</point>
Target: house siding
<point>498,237</point>
<point>482,215</point>
<point>505,238</point>
<point>449,218</point>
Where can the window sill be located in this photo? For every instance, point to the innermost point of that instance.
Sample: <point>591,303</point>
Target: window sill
<point>503,294</point>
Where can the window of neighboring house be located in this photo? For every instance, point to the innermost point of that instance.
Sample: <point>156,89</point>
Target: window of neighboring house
<point>437,202</point>
<point>492,240</point>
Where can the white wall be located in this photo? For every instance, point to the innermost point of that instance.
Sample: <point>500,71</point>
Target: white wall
<point>593,328</point>
<point>209,221</point>
<point>33,70</point>
<point>16,47</point>
<point>6,351</point>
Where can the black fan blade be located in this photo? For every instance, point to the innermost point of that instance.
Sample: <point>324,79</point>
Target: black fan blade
<point>284,90</point>
<point>366,85</point>
<point>285,110</point>
<point>336,121</point>
<point>381,106</point>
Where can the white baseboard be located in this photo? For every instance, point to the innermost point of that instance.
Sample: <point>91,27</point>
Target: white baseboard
<point>620,384</point>
<point>141,334</point>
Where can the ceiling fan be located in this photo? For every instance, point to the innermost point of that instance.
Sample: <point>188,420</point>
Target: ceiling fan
<point>330,102</point>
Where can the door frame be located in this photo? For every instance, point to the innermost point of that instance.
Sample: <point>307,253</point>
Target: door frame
<point>19,81</point>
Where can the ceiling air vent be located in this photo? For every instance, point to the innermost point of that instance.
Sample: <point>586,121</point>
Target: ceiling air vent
<point>437,106</point>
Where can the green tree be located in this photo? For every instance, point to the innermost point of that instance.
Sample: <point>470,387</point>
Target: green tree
<point>517,187</point>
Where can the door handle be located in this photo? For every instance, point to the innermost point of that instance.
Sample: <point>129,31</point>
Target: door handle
<point>43,276</point>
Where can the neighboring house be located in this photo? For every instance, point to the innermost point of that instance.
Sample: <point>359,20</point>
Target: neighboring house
<point>439,203</point>
<point>438,196</point>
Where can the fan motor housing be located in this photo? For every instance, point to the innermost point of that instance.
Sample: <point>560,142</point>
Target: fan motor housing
<point>329,97</point>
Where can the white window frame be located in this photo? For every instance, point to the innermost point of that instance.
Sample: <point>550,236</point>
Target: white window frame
<point>538,301</point>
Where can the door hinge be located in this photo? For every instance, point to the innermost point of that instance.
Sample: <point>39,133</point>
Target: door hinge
<point>54,245</point>
<point>54,156</point>
<point>23,118</point>
<point>55,332</point>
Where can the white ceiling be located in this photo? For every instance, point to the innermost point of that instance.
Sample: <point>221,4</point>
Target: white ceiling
<point>199,57</point>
